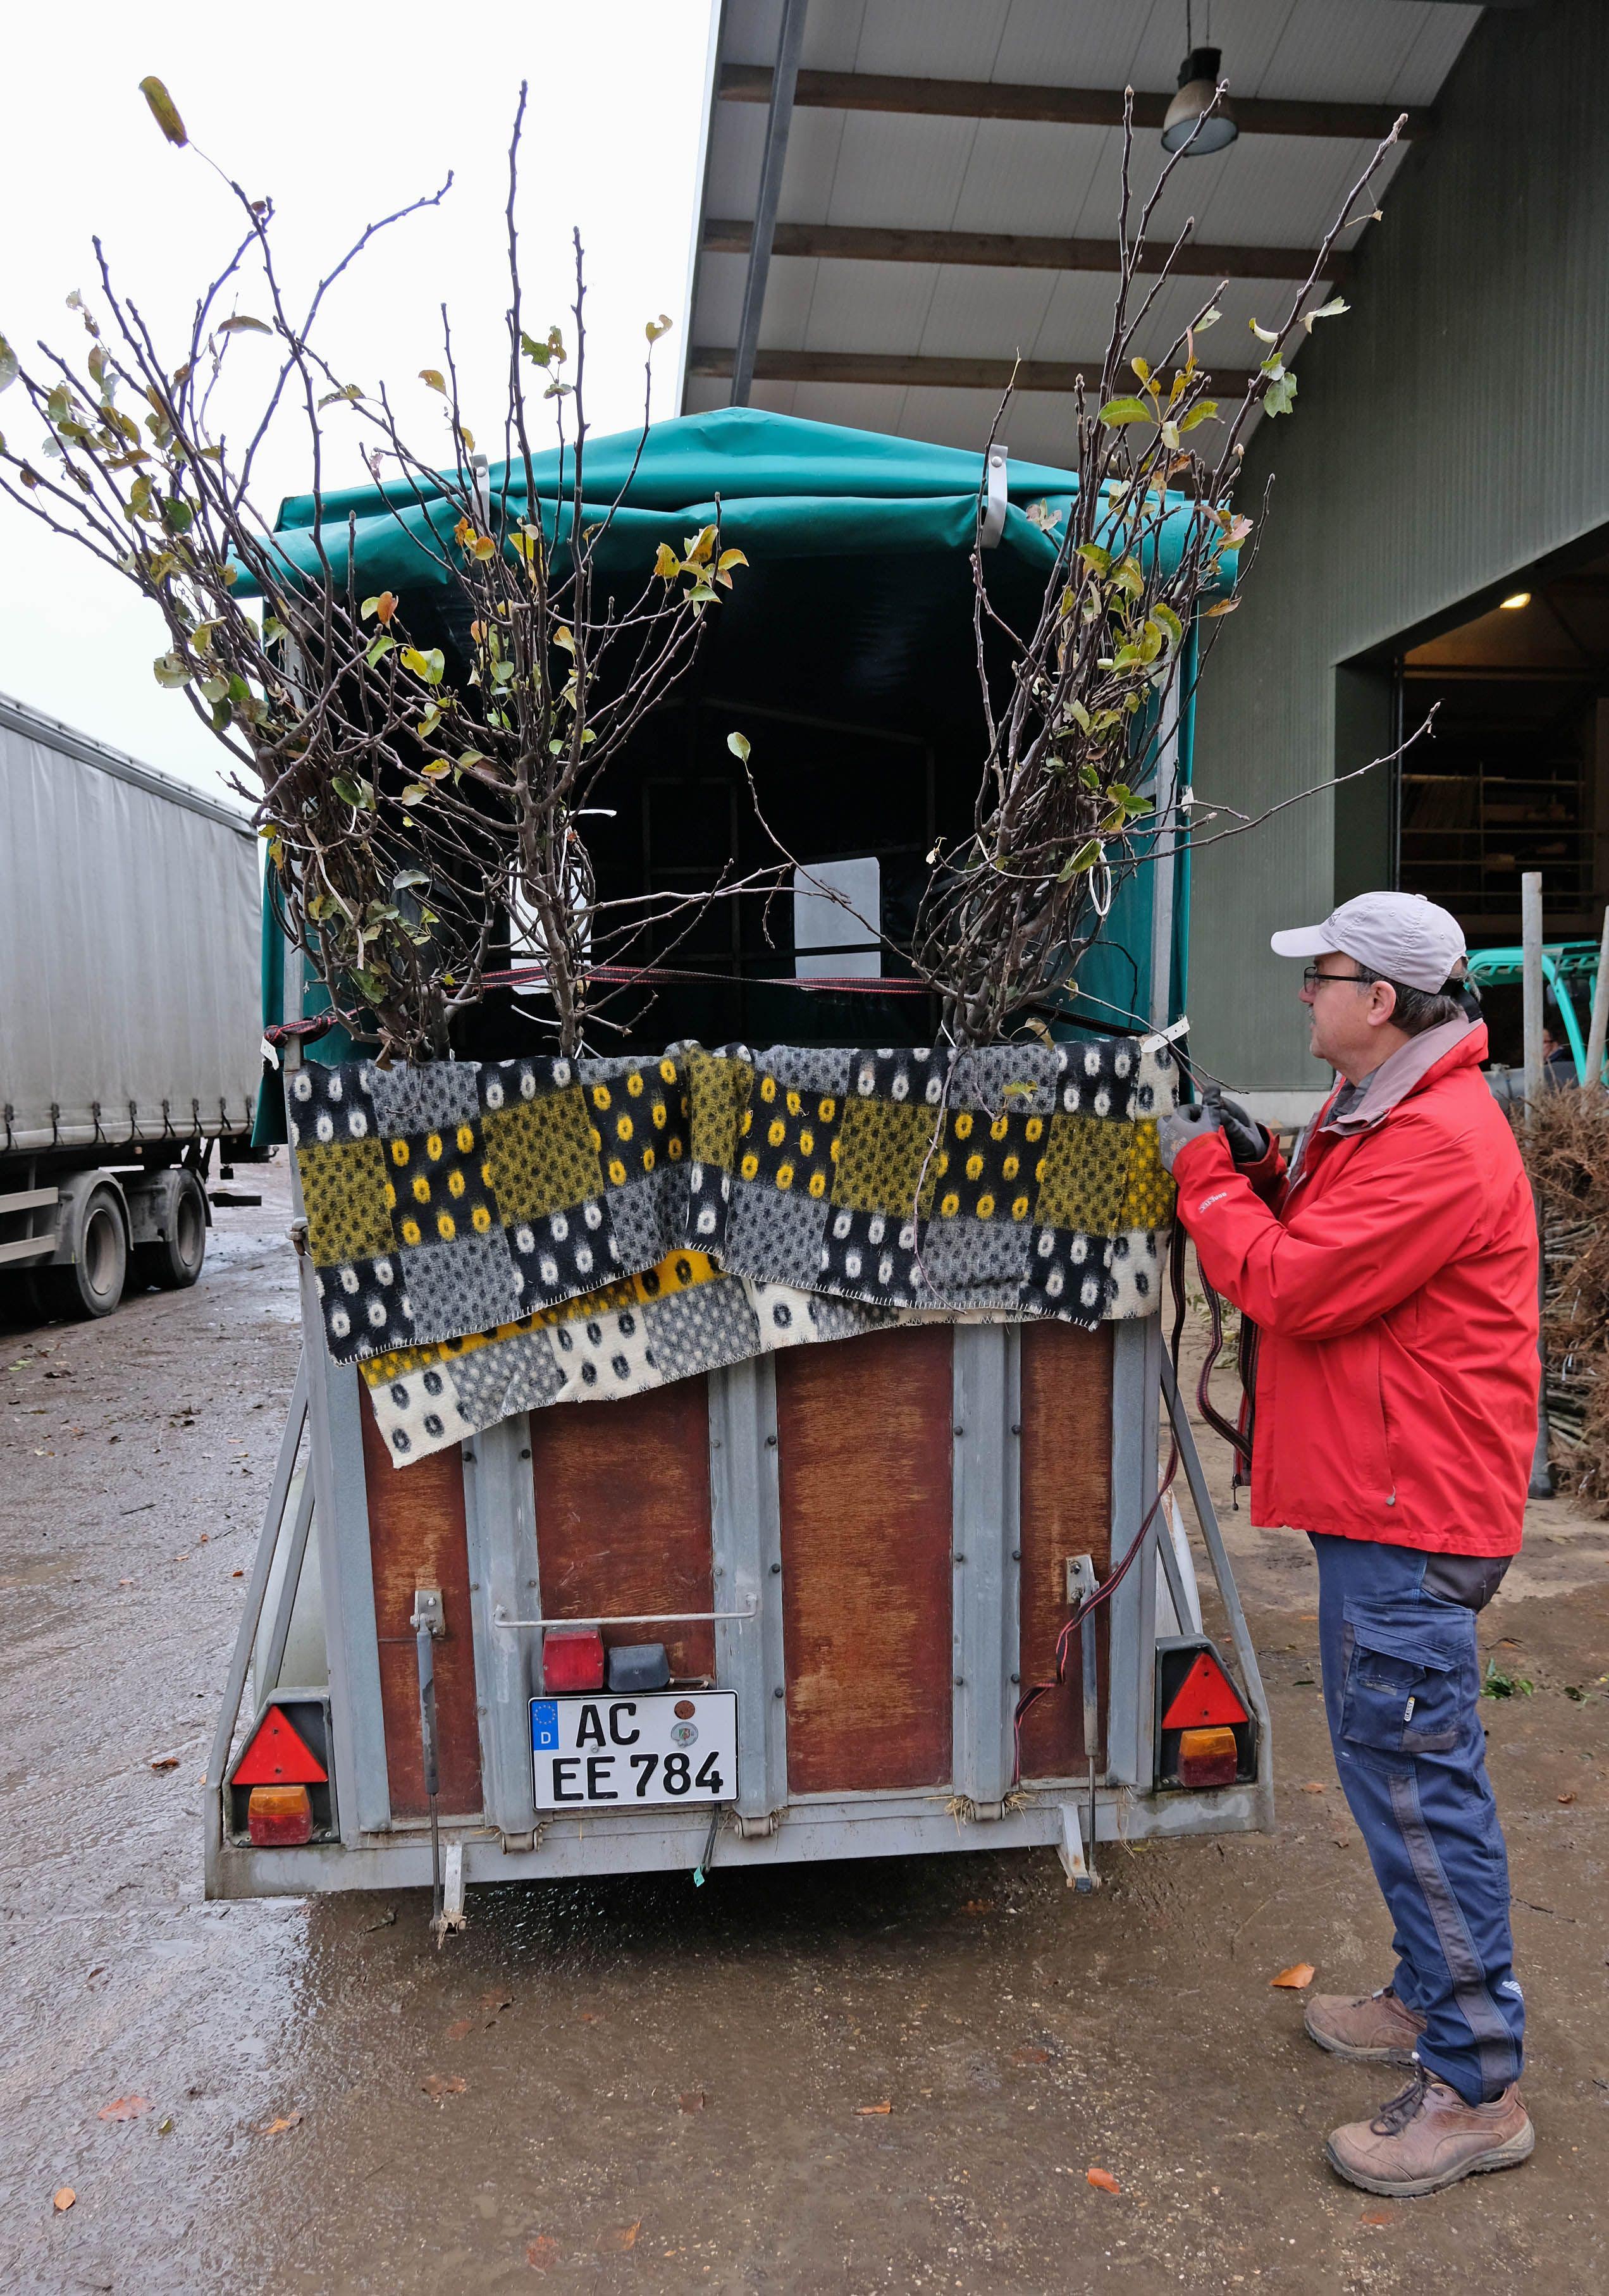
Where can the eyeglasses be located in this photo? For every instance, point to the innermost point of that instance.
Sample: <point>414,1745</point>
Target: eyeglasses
<point>1312,978</point>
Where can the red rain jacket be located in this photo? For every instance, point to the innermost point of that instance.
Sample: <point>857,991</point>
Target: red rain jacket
<point>1394,1282</point>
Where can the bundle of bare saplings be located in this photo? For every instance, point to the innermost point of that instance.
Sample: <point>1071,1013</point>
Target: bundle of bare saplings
<point>413,819</point>
<point>1566,1149</point>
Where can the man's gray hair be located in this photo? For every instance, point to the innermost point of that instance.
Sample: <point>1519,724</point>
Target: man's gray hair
<point>1416,1009</point>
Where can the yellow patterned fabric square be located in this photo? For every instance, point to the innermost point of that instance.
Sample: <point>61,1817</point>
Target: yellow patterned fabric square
<point>718,1090</point>
<point>883,1159</point>
<point>1151,1193</point>
<point>639,1118</point>
<point>788,1136</point>
<point>1084,1175</point>
<point>986,1168</point>
<point>540,1156</point>
<point>343,1189</point>
<point>440,1186</point>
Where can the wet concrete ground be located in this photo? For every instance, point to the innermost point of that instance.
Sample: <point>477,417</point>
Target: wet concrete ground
<point>854,2077</point>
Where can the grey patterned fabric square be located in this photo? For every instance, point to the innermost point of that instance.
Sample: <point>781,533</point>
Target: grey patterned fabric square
<point>464,1286</point>
<point>809,1070</point>
<point>692,1330</point>
<point>433,1099</point>
<point>958,1254</point>
<point>776,1233</point>
<point>507,1375</point>
<point>649,1217</point>
<point>981,1079</point>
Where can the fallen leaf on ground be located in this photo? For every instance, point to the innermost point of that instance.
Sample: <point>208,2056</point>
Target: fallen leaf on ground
<point>1380,2216</point>
<point>691,2101</point>
<point>164,1761</point>
<point>1315,1785</point>
<point>164,2127</point>
<point>1566,1799</point>
<point>278,2126</point>
<point>237,1574</point>
<point>588,2017</point>
<point>886,2106</point>
<point>623,2236</point>
<point>63,2199</point>
<point>443,2084</point>
<point>1300,1973</point>
<point>1031,2056</point>
<point>125,2108</point>
<point>495,2001</point>
<point>979,1905</point>
<point>1102,2181</point>
<point>459,2027</point>
<point>542,2252</point>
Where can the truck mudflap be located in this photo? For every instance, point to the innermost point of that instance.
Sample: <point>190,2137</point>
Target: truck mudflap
<point>740,1557</point>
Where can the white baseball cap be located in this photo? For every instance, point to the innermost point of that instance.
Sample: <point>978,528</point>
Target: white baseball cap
<point>1401,936</point>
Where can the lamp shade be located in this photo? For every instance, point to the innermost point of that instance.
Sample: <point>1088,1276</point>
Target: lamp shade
<point>1197,87</point>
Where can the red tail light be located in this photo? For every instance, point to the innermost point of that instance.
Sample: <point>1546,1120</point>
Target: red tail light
<point>572,1658</point>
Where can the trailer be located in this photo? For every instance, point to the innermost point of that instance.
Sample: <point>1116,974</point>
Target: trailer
<point>849,1562</point>
<point>129,1013</point>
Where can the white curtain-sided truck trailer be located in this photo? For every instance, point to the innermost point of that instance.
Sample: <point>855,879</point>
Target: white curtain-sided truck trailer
<point>129,1013</point>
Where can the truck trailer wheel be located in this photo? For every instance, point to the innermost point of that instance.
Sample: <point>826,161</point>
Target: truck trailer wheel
<point>173,1261</point>
<point>92,1282</point>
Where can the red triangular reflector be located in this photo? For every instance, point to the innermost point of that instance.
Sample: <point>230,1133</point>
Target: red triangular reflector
<point>1206,1695</point>
<point>278,1756</point>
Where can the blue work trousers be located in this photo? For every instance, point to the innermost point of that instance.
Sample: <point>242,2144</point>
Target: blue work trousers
<point>1402,1692</point>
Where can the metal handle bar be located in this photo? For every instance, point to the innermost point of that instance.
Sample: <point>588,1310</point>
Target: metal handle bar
<point>630,1618</point>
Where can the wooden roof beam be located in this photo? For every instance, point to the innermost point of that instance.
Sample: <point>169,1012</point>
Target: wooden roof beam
<point>1013,251</point>
<point>925,372</point>
<point>1066,107</point>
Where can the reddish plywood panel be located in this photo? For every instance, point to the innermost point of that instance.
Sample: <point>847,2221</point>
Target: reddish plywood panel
<point>623,1516</point>
<point>865,1435</point>
<point>416,1539</point>
<point>1066,1510</point>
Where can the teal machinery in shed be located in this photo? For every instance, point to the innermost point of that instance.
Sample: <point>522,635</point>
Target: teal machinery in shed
<point>845,653</point>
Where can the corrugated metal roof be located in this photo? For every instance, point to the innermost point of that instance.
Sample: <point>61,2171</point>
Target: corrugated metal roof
<point>929,171</point>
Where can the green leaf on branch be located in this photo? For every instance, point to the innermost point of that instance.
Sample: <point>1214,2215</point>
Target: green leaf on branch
<point>1084,858</point>
<point>1263,334</point>
<point>667,565</point>
<point>8,364</point>
<point>178,516</point>
<point>1120,411</point>
<point>408,881</point>
<point>1098,560</point>
<point>354,793</point>
<point>655,328</point>
<point>1205,410</point>
<point>435,377</point>
<point>430,666</point>
<point>213,690</point>
<point>378,649</point>
<point>1330,310</point>
<point>241,326</point>
<point>171,671</point>
<point>163,109</point>
<point>738,743</point>
<point>1280,396</point>
<point>1170,621</point>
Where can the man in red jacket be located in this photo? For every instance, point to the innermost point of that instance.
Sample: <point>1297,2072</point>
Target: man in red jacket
<point>1392,1272</point>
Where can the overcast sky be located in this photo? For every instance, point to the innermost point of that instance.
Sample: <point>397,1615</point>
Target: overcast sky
<point>342,114</point>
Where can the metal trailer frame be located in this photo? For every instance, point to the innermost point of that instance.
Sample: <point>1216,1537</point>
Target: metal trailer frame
<point>765,1825</point>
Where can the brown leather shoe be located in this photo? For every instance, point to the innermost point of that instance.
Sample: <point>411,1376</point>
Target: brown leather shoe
<point>1374,2028</point>
<point>1428,2138</point>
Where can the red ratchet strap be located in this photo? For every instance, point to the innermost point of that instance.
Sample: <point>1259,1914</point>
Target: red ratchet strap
<point>304,1032</point>
<point>625,975</point>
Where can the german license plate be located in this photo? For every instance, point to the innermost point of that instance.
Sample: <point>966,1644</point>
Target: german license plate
<point>607,1754</point>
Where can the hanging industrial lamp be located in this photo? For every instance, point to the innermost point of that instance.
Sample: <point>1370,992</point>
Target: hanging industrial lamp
<point>1197,87</point>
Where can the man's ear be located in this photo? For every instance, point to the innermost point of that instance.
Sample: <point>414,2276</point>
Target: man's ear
<point>1382,1004</point>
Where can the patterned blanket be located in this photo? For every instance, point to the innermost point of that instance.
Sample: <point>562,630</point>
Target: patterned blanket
<point>468,1199</point>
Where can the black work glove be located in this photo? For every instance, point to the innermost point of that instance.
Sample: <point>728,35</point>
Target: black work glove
<point>1248,1142</point>
<point>1180,1126</point>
